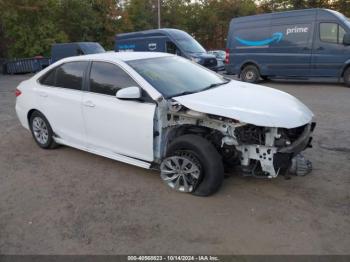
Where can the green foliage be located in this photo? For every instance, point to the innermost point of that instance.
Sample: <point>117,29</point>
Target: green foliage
<point>142,14</point>
<point>30,27</point>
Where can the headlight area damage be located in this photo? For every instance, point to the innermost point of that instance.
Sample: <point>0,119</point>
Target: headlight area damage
<point>259,151</point>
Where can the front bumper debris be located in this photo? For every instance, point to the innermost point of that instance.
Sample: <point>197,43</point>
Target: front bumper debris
<point>300,166</point>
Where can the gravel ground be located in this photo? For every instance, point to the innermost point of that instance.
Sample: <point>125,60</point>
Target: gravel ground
<point>67,201</point>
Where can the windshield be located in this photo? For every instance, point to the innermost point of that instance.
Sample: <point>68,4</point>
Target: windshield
<point>92,48</point>
<point>190,45</point>
<point>175,76</point>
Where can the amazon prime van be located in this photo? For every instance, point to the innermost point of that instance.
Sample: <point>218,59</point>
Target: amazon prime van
<point>295,44</point>
<point>166,40</point>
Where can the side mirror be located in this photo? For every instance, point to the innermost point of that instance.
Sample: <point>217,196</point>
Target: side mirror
<point>346,39</point>
<point>132,92</point>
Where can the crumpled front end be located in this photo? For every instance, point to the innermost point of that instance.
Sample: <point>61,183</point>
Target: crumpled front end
<point>260,151</point>
<point>268,152</point>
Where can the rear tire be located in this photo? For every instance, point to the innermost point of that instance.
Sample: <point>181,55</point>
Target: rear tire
<point>204,160</point>
<point>250,74</point>
<point>42,131</point>
<point>347,77</point>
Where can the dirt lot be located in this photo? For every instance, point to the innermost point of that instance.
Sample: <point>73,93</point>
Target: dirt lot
<point>66,201</point>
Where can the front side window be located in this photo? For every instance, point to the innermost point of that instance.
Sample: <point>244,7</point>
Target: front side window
<point>175,76</point>
<point>70,75</point>
<point>106,78</point>
<point>331,33</point>
<point>171,48</point>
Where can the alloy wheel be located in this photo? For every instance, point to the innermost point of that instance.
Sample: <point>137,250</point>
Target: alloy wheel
<point>40,130</point>
<point>181,172</point>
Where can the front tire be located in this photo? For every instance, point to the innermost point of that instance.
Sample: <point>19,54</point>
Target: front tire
<point>193,165</point>
<point>41,131</point>
<point>347,77</point>
<point>250,74</point>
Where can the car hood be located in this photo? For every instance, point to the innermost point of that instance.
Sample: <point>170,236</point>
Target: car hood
<point>249,103</point>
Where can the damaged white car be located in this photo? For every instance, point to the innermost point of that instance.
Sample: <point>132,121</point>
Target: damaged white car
<point>160,111</point>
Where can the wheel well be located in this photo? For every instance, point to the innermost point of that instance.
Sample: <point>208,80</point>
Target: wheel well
<point>345,68</point>
<point>211,135</point>
<point>229,154</point>
<point>31,111</point>
<point>185,130</point>
<point>248,64</point>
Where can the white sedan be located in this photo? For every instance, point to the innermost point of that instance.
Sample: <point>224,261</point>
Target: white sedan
<point>156,110</point>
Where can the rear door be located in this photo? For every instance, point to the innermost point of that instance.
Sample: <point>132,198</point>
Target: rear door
<point>60,95</point>
<point>117,126</point>
<point>329,53</point>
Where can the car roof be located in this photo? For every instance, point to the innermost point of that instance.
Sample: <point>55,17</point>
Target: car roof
<point>116,56</point>
<point>152,32</point>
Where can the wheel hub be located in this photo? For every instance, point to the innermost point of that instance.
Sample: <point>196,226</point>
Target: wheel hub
<point>249,75</point>
<point>181,173</point>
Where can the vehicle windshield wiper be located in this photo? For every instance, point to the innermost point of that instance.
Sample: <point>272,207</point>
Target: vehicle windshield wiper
<point>215,85</point>
<point>185,93</point>
<point>205,88</point>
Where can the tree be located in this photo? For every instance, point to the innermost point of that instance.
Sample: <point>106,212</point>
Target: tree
<point>88,20</point>
<point>342,6</point>
<point>28,27</point>
<point>141,14</point>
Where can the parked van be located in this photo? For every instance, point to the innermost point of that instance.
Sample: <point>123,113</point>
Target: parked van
<point>59,51</point>
<point>166,40</point>
<point>294,44</point>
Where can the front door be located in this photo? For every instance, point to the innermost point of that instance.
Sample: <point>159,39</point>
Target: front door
<point>329,53</point>
<point>117,126</point>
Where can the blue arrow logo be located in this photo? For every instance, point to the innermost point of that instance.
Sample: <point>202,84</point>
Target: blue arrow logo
<point>276,37</point>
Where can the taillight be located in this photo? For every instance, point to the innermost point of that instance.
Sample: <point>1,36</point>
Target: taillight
<point>227,57</point>
<point>18,92</point>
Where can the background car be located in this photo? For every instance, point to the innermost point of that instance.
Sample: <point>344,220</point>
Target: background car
<point>220,57</point>
<point>169,40</point>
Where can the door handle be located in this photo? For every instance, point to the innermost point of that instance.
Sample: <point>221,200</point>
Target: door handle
<point>320,48</point>
<point>306,48</point>
<point>89,104</point>
<point>43,94</point>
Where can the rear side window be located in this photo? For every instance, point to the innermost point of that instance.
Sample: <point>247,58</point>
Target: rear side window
<point>70,75</point>
<point>49,78</point>
<point>331,33</point>
<point>107,79</point>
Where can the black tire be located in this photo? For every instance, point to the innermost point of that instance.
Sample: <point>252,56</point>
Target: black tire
<point>250,74</point>
<point>212,169</point>
<point>49,142</point>
<point>347,77</point>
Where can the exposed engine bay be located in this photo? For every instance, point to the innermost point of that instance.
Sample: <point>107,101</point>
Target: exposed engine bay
<point>259,151</point>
